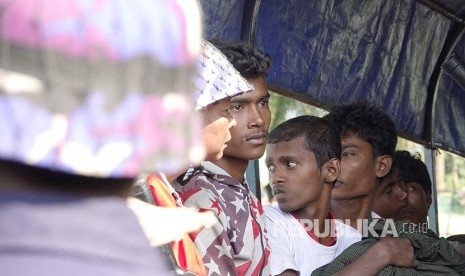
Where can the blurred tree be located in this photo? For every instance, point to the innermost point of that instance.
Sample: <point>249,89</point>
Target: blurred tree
<point>283,108</point>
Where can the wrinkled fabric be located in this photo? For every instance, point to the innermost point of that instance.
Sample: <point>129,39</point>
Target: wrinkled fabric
<point>99,87</point>
<point>330,52</point>
<point>184,251</point>
<point>436,256</point>
<point>294,248</point>
<point>237,244</point>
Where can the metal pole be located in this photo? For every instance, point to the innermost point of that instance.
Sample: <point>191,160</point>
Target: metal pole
<point>433,209</point>
<point>253,178</point>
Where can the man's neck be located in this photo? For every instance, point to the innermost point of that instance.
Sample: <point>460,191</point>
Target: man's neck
<point>351,210</point>
<point>319,209</point>
<point>233,166</point>
<point>318,214</point>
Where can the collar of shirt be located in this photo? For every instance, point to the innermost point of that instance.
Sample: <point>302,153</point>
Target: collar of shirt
<point>212,168</point>
<point>209,166</point>
<point>314,237</point>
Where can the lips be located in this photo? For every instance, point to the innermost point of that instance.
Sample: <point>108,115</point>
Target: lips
<point>256,139</point>
<point>277,191</point>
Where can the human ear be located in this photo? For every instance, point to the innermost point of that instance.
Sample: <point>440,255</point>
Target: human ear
<point>332,169</point>
<point>383,165</point>
<point>429,200</point>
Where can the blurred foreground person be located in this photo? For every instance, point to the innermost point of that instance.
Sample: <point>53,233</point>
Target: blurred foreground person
<point>92,93</point>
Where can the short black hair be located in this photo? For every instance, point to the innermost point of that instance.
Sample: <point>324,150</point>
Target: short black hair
<point>251,63</point>
<point>321,137</point>
<point>412,169</point>
<point>368,122</point>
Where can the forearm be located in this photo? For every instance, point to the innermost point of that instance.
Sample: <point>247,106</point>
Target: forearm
<point>370,263</point>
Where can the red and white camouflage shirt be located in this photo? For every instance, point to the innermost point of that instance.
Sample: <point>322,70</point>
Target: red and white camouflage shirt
<point>237,244</point>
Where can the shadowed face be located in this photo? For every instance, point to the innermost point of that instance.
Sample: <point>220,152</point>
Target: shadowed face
<point>391,197</point>
<point>418,203</point>
<point>358,173</point>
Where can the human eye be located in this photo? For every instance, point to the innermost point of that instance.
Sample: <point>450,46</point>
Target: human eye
<point>347,154</point>
<point>271,167</point>
<point>409,188</point>
<point>235,107</point>
<point>291,164</point>
<point>264,102</point>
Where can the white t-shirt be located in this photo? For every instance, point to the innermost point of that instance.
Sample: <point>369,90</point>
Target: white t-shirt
<point>293,248</point>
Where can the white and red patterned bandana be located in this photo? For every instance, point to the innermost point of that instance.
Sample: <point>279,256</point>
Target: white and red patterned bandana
<point>217,78</point>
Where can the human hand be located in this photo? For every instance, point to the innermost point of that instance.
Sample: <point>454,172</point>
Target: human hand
<point>216,134</point>
<point>398,251</point>
<point>162,225</point>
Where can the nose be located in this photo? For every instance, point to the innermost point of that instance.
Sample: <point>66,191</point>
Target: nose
<point>401,194</point>
<point>256,118</point>
<point>277,176</point>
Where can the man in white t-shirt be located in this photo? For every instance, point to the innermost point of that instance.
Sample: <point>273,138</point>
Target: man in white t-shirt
<point>303,159</point>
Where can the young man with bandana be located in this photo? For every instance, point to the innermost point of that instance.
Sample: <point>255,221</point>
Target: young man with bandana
<point>215,82</point>
<point>237,243</point>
